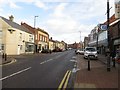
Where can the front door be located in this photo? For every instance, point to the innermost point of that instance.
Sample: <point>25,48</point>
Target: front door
<point>18,52</point>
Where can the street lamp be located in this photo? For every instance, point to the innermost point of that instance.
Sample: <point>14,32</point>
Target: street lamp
<point>35,20</point>
<point>81,44</point>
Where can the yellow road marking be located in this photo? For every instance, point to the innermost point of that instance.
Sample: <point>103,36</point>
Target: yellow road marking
<point>65,85</point>
<point>60,86</point>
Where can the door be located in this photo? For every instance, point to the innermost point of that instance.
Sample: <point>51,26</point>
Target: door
<point>18,52</point>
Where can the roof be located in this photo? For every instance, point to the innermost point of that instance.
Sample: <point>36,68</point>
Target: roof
<point>111,19</point>
<point>30,28</point>
<point>39,29</point>
<point>15,25</point>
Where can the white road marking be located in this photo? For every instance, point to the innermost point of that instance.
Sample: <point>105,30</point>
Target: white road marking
<point>73,61</point>
<point>15,73</point>
<point>50,59</point>
<point>46,61</point>
<point>74,57</point>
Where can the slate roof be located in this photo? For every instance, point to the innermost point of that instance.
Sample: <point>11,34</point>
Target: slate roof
<point>15,25</point>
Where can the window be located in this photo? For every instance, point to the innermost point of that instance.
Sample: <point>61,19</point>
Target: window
<point>43,38</point>
<point>36,37</point>
<point>0,33</point>
<point>20,37</point>
<point>30,38</point>
<point>40,37</point>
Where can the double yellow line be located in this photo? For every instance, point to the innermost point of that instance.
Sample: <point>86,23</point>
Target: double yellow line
<point>64,82</point>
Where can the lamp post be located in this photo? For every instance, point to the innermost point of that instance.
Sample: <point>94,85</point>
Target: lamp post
<point>108,35</point>
<point>81,46</point>
<point>35,20</point>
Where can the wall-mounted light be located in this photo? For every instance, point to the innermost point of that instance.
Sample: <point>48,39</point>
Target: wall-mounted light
<point>11,30</point>
<point>23,41</point>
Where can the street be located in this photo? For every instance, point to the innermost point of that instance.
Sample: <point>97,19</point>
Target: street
<point>37,70</point>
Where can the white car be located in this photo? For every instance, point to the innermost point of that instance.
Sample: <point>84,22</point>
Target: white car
<point>90,52</point>
<point>79,52</point>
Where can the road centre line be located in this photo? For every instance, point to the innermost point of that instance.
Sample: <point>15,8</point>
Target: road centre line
<point>50,59</point>
<point>46,61</point>
<point>15,73</point>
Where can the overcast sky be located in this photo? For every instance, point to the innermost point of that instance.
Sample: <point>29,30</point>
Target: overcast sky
<point>62,19</point>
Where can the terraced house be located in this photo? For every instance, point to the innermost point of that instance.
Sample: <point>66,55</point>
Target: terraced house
<point>16,39</point>
<point>41,38</point>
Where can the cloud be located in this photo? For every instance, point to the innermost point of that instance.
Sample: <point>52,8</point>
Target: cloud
<point>68,19</point>
<point>41,5</point>
<point>13,5</point>
<point>65,18</point>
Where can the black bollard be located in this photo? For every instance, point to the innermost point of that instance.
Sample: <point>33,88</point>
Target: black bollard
<point>113,59</point>
<point>88,63</point>
<point>5,56</point>
<point>108,63</point>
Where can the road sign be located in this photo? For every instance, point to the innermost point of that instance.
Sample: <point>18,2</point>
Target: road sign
<point>103,27</point>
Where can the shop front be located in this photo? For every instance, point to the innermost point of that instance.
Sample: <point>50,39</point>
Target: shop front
<point>29,47</point>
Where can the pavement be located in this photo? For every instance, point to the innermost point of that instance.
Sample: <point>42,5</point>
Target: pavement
<point>98,77</point>
<point>8,60</point>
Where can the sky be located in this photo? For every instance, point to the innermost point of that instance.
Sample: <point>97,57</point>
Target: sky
<point>67,20</point>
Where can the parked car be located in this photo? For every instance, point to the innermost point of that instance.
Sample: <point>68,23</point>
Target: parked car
<point>57,49</point>
<point>79,52</point>
<point>90,52</point>
<point>46,51</point>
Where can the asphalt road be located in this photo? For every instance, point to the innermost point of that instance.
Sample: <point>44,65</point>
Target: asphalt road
<point>38,70</point>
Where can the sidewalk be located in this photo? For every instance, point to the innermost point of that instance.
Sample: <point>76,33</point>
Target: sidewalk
<point>97,77</point>
<point>3,61</point>
<point>103,59</point>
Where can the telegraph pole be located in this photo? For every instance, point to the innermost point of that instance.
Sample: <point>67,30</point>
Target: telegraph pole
<point>80,40</point>
<point>108,35</point>
<point>35,20</point>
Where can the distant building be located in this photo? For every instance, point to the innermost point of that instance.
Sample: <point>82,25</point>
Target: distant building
<point>76,45</point>
<point>86,42</point>
<point>51,44</point>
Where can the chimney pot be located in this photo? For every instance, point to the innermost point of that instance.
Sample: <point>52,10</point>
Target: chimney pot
<point>11,18</point>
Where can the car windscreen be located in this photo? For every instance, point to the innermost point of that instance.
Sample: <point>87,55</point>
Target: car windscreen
<point>90,49</point>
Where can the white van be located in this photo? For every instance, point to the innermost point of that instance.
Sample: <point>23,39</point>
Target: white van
<point>90,52</point>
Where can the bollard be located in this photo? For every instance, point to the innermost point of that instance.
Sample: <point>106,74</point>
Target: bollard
<point>108,63</point>
<point>88,63</point>
<point>5,56</point>
<point>113,59</point>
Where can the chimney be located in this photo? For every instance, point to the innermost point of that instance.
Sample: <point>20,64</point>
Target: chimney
<point>11,18</point>
<point>50,38</point>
